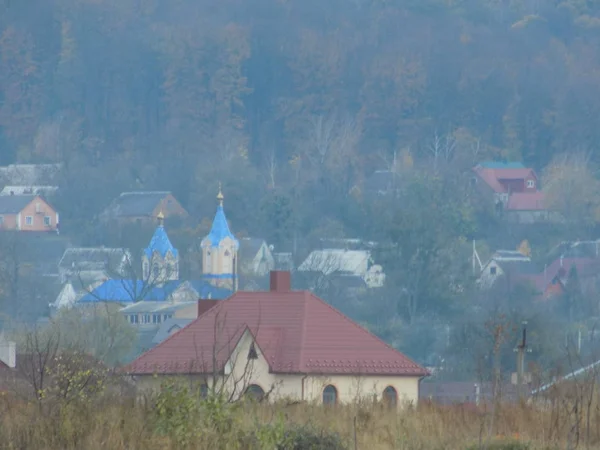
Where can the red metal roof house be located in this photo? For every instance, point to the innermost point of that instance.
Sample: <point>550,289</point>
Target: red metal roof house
<point>515,190</point>
<point>286,344</point>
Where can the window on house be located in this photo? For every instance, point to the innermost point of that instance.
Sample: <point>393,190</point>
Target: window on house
<point>390,396</point>
<point>203,390</point>
<point>155,270</point>
<point>29,220</point>
<point>227,253</point>
<point>493,270</point>
<point>146,318</point>
<point>156,318</point>
<point>255,392</point>
<point>330,395</point>
<point>530,183</point>
<point>252,354</point>
<point>47,221</point>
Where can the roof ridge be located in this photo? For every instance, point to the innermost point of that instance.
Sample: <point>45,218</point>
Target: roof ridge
<point>143,192</point>
<point>364,330</point>
<point>305,296</point>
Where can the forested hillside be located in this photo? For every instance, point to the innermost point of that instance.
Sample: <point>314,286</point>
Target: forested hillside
<point>298,95</point>
<point>292,104</point>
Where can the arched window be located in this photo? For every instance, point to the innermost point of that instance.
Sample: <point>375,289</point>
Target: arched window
<point>207,265</point>
<point>227,262</point>
<point>203,390</point>
<point>390,396</point>
<point>330,395</point>
<point>155,270</point>
<point>255,392</point>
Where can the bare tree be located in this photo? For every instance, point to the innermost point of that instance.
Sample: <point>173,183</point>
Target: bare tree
<point>225,367</point>
<point>39,349</point>
<point>442,148</point>
<point>272,169</point>
<point>138,280</point>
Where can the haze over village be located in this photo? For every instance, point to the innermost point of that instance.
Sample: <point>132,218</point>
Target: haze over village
<point>390,208</point>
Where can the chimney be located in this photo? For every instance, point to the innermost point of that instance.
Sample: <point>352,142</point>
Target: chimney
<point>205,305</point>
<point>280,281</point>
<point>8,353</point>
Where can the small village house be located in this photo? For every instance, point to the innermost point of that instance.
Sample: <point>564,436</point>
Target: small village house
<point>143,207</point>
<point>281,344</point>
<point>506,263</point>
<point>336,261</point>
<point>514,189</point>
<point>27,213</point>
<point>155,321</point>
<point>548,281</point>
<point>255,257</point>
<point>94,263</point>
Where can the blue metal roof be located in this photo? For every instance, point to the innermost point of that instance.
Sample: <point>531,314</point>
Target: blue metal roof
<point>129,291</point>
<point>220,230</point>
<point>221,276</point>
<point>502,165</point>
<point>160,243</point>
<point>206,290</point>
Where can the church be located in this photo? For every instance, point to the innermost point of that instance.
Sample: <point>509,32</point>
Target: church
<point>159,279</point>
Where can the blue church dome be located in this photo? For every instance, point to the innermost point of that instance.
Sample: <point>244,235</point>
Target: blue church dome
<point>220,228</point>
<point>160,243</point>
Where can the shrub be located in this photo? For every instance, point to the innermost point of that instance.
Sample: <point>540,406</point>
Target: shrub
<point>175,413</point>
<point>307,438</point>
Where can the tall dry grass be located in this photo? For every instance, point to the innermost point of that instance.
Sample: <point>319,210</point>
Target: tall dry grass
<point>118,424</point>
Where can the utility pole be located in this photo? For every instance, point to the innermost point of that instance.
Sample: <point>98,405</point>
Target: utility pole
<point>521,349</point>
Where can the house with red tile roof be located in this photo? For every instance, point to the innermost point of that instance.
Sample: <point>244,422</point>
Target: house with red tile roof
<point>550,282</point>
<point>281,344</point>
<point>514,189</point>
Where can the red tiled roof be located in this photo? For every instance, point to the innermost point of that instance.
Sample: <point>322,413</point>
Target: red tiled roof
<point>543,281</point>
<point>492,176</point>
<point>526,201</point>
<point>295,331</point>
<point>585,267</point>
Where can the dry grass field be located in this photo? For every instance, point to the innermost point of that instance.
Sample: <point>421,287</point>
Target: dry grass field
<point>176,419</point>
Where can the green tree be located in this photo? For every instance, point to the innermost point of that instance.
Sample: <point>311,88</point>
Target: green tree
<point>425,256</point>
